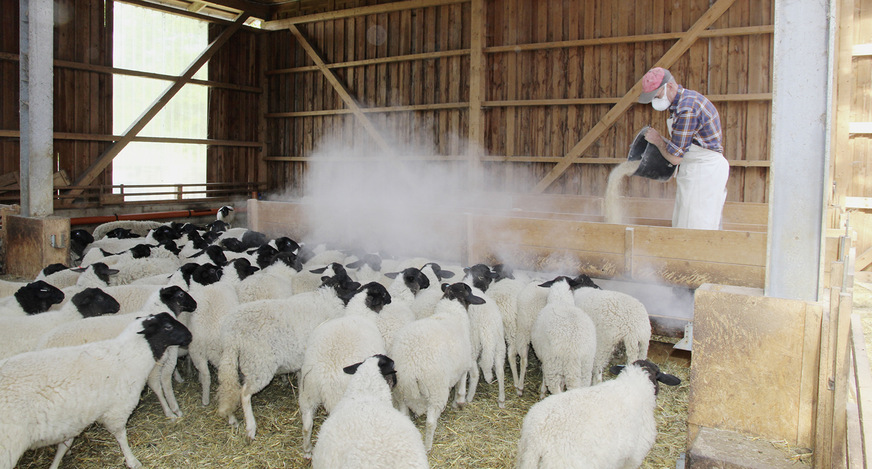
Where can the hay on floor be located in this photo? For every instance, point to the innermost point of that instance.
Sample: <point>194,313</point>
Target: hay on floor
<point>481,435</point>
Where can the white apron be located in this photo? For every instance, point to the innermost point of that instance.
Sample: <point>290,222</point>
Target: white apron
<point>702,188</point>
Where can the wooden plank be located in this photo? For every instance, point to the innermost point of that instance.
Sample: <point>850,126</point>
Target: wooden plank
<point>713,13</point>
<point>341,89</point>
<point>842,361</point>
<point>477,90</point>
<point>729,247</point>
<point>863,382</point>
<point>824,416</point>
<point>106,158</point>
<point>630,39</point>
<point>355,12</point>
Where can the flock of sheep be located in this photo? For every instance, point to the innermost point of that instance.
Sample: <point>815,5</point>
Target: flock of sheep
<point>371,340</point>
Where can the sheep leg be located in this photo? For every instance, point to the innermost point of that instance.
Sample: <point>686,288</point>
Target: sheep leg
<point>63,447</point>
<point>542,389</point>
<point>308,405</point>
<point>167,369</point>
<point>522,370</point>
<point>250,423</point>
<point>513,366</point>
<point>501,381</point>
<point>154,383</point>
<point>473,383</point>
<point>460,389</point>
<point>202,366</point>
<point>120,435</point>
<point>430,427</point>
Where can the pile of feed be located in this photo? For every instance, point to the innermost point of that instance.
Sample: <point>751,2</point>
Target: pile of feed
<point>481,435</point>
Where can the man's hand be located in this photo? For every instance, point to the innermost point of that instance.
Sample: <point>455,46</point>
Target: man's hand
<point>653,137</point>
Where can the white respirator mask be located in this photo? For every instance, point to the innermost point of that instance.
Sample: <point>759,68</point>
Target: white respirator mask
<point>661,104</point>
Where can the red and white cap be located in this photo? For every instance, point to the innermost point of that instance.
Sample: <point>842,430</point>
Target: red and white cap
<point>653,80</point>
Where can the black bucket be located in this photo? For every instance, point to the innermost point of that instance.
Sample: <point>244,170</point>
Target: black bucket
<point>653,165</point>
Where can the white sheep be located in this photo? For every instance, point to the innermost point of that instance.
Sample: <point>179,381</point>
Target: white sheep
<point>310,278</point>
<point>273,281</point>
<point>398,313</point>
<point>564,338</point>
<point>33,298</point>
<point>139,227</point>
<point>505,290</point>
<point>22,333</point>
<point>604,426</point>
<point>49,396</point>
<point>434,355</point>
<point>333,345</point>
<point>134,269</point>
<point>264,338</point>
<point>531,300</point>
<point>619,319</point>
<point>214,303</point>
<point>105,327</point>
<point>364,431</point>
<point>486,333</point>
<point>426,299</point>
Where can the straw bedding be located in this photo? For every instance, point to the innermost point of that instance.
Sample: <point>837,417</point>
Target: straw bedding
<point>479,436</point>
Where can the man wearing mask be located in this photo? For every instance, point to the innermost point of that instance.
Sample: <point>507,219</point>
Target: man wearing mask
<point>695,146</point>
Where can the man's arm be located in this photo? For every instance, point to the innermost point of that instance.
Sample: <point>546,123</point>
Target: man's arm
<point>654,137</point>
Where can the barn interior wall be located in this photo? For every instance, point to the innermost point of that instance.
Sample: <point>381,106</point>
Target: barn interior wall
<point>528,115</point>
<point>82,98</point>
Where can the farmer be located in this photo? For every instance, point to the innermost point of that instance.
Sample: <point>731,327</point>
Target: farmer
<point>695,145</point>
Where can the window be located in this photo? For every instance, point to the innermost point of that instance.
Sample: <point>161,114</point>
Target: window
<point>152,41</point>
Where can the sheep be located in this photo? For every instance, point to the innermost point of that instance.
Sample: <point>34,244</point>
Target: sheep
<point>33,298</point>
<point>564,338</point>
<point>79,240</point>
<point>332,345</point>
<point>22,333</point>
<point>134,269</point>
<point>398,313</point>
<point>214,303</point>
<point>139,227</point>
<point>531,299</point>
<point>268,337</point>
<point>59,275</point>
<point>309,279</point>
<point>425,300</point>
<point>50,396</point>
<point>226,214</point>
<point>619,319</point>
<point>274,281</point>
<point>487,335</point>
<point>364,431</point>
<point>433,355</point>
<point>105,327</point>
<point>97,275</point>
<point>368,269</point>
<point>607,425</point>
<point>505,290</point>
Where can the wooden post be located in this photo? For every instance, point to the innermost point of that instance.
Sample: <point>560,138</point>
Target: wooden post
<point>477,89</point>
<point>38,242</point>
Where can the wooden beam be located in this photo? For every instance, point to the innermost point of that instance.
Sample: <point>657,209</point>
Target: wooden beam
<point>340,88</point>
<point>505,159</point>
<point>841,172</point>
<point>723,32</point>
<point>477,90</point>
<point>136,73</point>
<point>276,25</point>
<point>106,158</point>
<point>676,51</point>
<point>115,138</point>
<point>376,61</point>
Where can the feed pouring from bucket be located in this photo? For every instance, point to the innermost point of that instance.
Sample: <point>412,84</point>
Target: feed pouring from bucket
<point>653,165</point>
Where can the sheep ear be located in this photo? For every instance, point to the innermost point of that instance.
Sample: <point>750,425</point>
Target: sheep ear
<point>547,284</point>
<point>355,265</point>
<point>667,379</point>
<point>446,273</point>
<point>617,369</point>
<point>475,300</point>
<point>112,271</point>
<point>392,274</point>
<point>351,369</point>
<point>319,271</point>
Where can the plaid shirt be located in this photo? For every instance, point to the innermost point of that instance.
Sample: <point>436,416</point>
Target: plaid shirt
<point>694,120</point>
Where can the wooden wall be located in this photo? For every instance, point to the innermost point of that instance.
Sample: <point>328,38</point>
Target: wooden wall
<point>553,68</point>
<point>235,112</point>
<point>82,98</point>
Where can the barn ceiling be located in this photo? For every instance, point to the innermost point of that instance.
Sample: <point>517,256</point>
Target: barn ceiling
<point>257,9</point>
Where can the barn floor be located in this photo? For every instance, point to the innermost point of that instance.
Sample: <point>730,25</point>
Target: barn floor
<point>479,436</point>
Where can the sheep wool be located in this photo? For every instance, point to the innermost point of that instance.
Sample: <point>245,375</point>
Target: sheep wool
<point>334,344</point>
<point>98,382</point>
<point>619,319</point>
<point>434,355</point>
<point>364,431</point>
<point>564,338</point>
<point>604,426</point>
